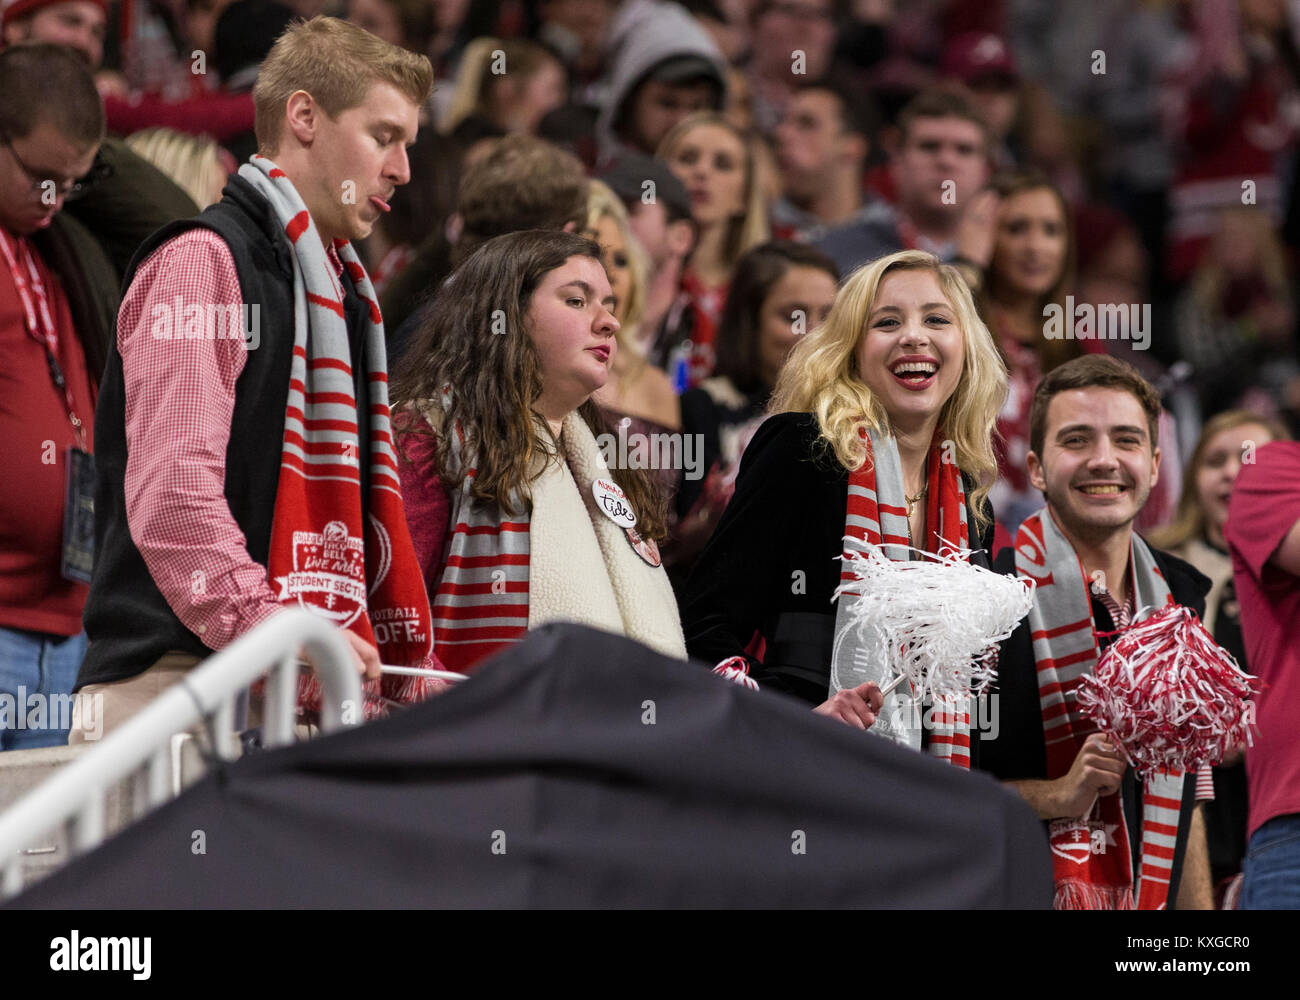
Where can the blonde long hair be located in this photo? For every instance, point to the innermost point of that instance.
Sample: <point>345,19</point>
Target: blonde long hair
<point>1211,276</point>
<point>749,229</point>
<point>192,161</point>
<point>602,202</point>
<point>476,79</point>
<point>821,375</point>
<point>1189,520</point>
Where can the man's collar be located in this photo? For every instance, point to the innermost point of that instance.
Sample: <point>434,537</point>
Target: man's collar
<point>335,260</point>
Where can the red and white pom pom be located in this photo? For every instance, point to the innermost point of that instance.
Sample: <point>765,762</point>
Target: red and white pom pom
<point>1168,695</point>
<point>736,670</point>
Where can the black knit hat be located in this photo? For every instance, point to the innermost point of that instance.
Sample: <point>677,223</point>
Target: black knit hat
<point>627,177</point>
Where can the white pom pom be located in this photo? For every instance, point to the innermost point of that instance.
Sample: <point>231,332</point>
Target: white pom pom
<point>939,619</point>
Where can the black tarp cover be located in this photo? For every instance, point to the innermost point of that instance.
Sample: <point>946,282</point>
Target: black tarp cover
<point>543,783</point>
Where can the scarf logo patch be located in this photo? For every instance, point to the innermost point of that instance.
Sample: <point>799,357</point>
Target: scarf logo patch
<point>1072,840</point>
<point>1076,840</point>
<point>329,573</point>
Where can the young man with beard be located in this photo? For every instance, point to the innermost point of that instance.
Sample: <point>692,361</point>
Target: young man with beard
<point>1117,842</point>
<point>243,432</point>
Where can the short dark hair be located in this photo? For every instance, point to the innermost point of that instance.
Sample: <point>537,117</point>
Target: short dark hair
<point>522,183</point>
<point>627,178</point>
<point>245,33</point>
<point>1092,370</point>
<point>940,102</point>
<point>419,22</point>
<point>751,281</point>
<point>49,83</point>
<point>857,111</point>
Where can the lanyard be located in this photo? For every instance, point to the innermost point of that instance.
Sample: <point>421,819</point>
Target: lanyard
<point>39,322</point>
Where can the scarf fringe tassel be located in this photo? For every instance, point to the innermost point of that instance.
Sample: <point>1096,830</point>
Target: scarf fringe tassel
<point>1076,894</point>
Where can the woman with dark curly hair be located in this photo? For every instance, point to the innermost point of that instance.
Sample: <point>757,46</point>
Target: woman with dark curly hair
<point>516,519</point>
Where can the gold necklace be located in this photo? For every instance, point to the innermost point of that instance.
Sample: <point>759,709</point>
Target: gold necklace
<point>911,501</point>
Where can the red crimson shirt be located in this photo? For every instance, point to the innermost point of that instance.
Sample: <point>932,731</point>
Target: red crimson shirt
<point>424,498</point>
<point>1265,505</point>
<point>35,433</point>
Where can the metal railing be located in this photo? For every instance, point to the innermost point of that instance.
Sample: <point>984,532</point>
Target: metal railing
<point>141,748</point>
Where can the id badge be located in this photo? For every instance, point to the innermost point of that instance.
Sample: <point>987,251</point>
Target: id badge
<point>79,517</point>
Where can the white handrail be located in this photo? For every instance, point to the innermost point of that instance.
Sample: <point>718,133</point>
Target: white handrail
<point>438,675</point>
<point>76,794</point>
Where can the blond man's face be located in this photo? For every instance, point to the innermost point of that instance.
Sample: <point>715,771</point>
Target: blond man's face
<point>358,160</point>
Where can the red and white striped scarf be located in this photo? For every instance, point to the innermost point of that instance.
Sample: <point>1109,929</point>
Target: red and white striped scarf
<point>877,513</point>
<point>1091,856</point>
<point>482,601</point>
<point>364,578</point>
<point>587,568</point>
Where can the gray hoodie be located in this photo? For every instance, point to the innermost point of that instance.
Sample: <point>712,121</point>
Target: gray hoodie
<point>644,34</point>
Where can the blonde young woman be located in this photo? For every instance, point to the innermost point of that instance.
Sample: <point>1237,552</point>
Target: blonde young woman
<point>637,398</point>
<point>885,411</point>
<point>724,177</point>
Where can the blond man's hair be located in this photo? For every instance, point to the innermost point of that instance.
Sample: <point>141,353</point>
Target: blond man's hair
<point>821,375</point>
<point>336,63</point>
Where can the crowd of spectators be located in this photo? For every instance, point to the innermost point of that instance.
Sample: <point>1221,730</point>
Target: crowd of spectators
<point>1111,177</point>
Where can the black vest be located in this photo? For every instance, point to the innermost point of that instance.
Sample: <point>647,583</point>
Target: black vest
<point>128,620</point>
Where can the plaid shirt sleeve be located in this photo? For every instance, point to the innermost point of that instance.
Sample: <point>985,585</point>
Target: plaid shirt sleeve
<point>180,397</point>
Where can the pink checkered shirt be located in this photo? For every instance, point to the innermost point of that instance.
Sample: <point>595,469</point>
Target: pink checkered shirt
<point>180,399</point>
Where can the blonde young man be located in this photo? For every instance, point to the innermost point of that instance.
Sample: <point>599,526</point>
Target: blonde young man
<point>242,431</point>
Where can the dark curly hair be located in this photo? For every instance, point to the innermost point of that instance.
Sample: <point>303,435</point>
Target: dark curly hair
<point>497,379</point>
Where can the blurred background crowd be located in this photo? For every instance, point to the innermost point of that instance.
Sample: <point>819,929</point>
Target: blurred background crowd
<point>1131,153</point>
<point>1130,162</point>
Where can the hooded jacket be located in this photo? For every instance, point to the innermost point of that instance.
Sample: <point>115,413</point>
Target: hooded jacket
<point>643,35</point>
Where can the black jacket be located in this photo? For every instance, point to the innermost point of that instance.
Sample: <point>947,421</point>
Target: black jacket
<point>90,283</point>
<point>130,204</point>
<point>128,619</point>
<point>773,563</point>
<point>1019,752</point>
<point>91,241</point>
